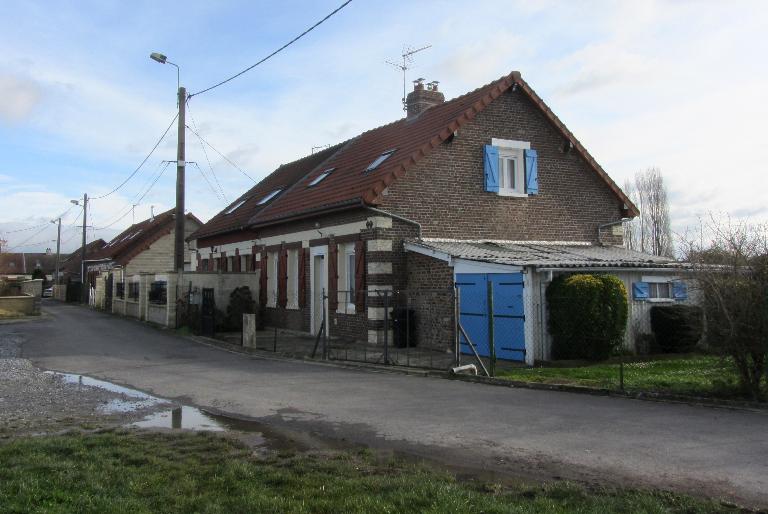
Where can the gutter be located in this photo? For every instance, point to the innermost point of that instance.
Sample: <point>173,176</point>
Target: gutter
<point>605,225</point>
<point>393,216</point>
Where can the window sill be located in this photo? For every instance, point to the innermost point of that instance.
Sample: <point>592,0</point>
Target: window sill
<point>513,194</point>
<point>660,300</point>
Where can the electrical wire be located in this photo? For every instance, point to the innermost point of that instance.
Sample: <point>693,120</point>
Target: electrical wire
<point>24,243</point>
<point>205,152</point>
<point>218,196</point>
<point>289,43</point>
<point>221,154</point>
<point>133,204</point>
<point>142,162</point>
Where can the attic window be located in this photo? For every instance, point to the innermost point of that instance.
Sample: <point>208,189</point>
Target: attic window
<point>135,234</point>
<point>269,197</point>
<point>381,158</point>
<point>321,177</point>
<point>236,206</point>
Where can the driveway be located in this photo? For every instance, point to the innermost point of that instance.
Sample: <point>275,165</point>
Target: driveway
<point>501,431</point>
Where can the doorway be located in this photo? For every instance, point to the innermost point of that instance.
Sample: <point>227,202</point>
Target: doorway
<point>318,286</point>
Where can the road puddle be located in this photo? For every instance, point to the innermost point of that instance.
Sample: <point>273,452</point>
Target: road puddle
<point>184,417</point>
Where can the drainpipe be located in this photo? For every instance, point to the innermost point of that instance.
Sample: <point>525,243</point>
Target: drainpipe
<point>395,216</point>
<point>606,225</point>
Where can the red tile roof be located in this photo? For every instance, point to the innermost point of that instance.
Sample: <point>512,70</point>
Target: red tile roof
<point>17,263</point>
<point>138,237</point>
<point>71,263</point>
<point>282,178</point>
<point>412,138</point>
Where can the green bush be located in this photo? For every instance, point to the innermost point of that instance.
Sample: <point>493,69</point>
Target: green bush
<point>587,316</point>
<point>240,302</point>
<point>677,327</point>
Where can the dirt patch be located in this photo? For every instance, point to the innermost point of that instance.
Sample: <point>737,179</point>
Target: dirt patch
<point>33,401</point>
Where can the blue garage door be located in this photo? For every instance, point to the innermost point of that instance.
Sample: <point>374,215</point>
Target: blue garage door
<point>508,314</point>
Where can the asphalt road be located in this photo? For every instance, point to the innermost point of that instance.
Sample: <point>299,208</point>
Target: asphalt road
<point>502,431</point>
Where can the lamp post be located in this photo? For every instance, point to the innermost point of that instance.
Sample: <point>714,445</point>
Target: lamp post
<point>178,253</point>
<point>58,249</point>
<point>83,295</point>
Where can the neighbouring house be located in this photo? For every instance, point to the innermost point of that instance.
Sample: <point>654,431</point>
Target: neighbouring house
<point>70,266</point>
<point>489,187</point>
<point>144,248</point>
<point>23,265</point>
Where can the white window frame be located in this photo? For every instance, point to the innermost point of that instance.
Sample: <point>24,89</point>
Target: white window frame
<point>272,265</point>
<point>321,177</point>
<point>292,287</point>
<point>346,256</point>
<point>268,197</point>
<point>512,149</point>
<point>380,159</point>
<point>653,282</point>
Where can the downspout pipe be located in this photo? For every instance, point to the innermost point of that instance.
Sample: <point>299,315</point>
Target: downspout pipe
<point>606,225</point>
<point>394,216</point>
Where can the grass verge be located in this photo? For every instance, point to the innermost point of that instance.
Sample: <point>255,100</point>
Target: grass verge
<point>699,375</point>
<point>159,472</point>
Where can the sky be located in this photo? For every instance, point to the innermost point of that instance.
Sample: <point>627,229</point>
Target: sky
<point>680,85</point>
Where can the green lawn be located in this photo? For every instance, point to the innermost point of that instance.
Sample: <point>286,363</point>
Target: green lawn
<point>151,472</point>
<point>700,375</point>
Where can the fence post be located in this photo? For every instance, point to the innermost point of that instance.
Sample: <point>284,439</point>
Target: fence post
<point>456,335</point>
<point>386,327</point>
<point>491,335</point>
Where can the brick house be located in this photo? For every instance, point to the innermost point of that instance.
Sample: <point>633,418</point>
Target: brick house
<point>488,187</point>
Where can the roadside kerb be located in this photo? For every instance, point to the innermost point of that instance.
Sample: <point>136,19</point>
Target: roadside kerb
<point>567,388</point>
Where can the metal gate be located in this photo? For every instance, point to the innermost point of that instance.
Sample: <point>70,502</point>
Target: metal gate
<point>208,313</point>
<point>108,293</point>
<point>491,312</point>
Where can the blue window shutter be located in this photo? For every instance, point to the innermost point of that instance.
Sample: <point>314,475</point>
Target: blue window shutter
<point>531,172</point>
<point>640,291</point>
<point>491,168</point>
<point>679,290</point>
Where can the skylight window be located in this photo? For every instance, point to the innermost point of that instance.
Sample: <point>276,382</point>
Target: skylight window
<point>269,197</point>
<point>235,207</point>
<point>381,158</point>
<point>321,177</point>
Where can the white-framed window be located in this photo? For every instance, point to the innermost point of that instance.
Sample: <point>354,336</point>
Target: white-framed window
<point>659,291</point>
<point>272,263</point>
<point>235,206</point>
<point>269,197</point>
<point>511,172</point>
<point>321,177</point>
<point>380,159</point>
<point>293,279</point>
<point>347,278</point>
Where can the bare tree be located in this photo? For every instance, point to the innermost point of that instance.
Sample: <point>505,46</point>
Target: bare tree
<point>732,277</point>
<point>652,231</point>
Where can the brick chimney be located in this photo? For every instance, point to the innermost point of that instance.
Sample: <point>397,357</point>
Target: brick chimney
<point>423,97</point>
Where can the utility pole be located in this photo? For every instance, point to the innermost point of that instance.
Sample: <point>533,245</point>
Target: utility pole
<point>83,290</point>
<point>178,255</point>
<point>58,250</point>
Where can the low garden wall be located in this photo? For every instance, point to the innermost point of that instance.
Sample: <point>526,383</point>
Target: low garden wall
<point>25,305</point>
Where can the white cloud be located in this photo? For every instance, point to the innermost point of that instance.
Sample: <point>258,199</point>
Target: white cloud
<point>18,97</point>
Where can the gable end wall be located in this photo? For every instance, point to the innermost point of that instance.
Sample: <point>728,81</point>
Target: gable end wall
<point>445,191</point>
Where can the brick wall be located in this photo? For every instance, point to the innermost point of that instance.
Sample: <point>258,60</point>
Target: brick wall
<point>445,191</point>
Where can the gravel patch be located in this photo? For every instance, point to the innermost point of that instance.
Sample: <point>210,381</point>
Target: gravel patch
<point>33,401</point>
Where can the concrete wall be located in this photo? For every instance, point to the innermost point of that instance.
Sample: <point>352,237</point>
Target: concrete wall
<point>222,284</point>
<point>32,287</point>
<point>25,305</point>
<point>60,292</point>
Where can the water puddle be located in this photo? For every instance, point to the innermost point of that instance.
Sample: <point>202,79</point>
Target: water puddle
<point>179,418</point>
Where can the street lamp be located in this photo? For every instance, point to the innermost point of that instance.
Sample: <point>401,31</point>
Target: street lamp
<point>178,250</point>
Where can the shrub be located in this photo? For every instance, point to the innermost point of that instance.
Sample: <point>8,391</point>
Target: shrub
<point>587,316</point>
<point>240,302</point>
<point>677,327</point>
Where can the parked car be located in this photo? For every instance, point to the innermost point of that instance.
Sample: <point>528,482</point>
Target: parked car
<point>48,292</point>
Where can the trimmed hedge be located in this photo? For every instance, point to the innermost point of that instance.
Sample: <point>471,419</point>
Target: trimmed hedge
<point>587,316</point>
<point>240,302</point>
<point>677,327</point>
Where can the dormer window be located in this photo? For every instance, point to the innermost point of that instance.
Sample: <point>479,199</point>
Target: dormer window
<point>321,177</point>
<point>381,158</point>
<point>235,206</point>
<point>269,197</point>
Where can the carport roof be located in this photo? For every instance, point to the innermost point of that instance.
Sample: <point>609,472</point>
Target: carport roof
<point>540,254</point>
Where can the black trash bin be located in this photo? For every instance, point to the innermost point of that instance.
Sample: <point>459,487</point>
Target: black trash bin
<point>404,327</point>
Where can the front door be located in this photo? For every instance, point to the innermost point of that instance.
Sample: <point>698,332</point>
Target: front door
<point>318,286</point>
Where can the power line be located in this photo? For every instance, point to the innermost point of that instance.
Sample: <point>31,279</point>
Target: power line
<point>142,162</point>
<point>24,243</point>
<point>63,214</point>
<point>205,152</point>
<point>218,196</point>
<point>221,154</point>
<point>289,43</point>
<point>133,204</point>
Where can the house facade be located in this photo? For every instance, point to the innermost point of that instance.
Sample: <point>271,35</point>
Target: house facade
<point>413,205</point>
<point>114,271</point>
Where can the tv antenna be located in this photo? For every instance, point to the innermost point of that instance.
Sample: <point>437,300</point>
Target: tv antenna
<point>406,65</point>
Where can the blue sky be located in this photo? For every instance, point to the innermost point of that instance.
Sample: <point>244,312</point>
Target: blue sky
<point>675,84</point>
